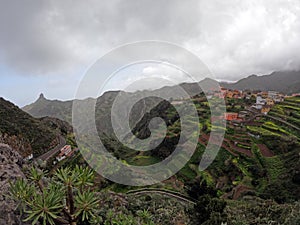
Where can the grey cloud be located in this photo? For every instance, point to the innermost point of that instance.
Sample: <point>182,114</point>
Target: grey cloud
<point>232,37</point>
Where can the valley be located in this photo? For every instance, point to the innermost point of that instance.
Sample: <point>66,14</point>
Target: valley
<point>256,171</point>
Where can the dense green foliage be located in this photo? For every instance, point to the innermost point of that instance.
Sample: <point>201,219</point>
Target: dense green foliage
<point>27,130</point>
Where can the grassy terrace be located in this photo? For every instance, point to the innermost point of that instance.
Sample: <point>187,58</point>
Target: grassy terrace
<point>262,131</point>
<point>240,161</point>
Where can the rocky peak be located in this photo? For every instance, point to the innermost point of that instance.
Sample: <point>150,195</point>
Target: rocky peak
<point>41,97</point>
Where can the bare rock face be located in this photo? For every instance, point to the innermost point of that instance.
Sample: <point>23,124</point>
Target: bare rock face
<point>10,169</point>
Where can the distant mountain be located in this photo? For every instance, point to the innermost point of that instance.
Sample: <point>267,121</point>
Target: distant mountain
<point>27,134</point>
<point>53,108</point>
<point>287,82</point>
<point>63,109</point>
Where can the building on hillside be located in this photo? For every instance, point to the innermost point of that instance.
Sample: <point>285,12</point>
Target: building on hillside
<point>208,97</point>
<point>216,118</point>
<point>263,94</point>
<point>296,95</point>
<point>64,152</point>
<point>29,157</point>
<point>248,97</point>
<point>177,102</point>
<point>257,106</point>
<point>260,100</point>
<point>230,116</point>
<point>229,94</point>
<point>273,94</point>
<point>221,93</point>
<point>265,109</point>
<point>243,115</point>
<point>269,101</point>
<point>276,96</point>
<point>61,156</point>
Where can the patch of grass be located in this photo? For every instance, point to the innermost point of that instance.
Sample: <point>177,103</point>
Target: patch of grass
<point>291,107</point>
<point>274,167</point>
<point>261,131</point>
<point>187,173</point>
<point>142,160</point>
<point>273,127</point>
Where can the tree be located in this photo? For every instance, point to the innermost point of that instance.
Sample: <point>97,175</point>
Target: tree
<point>65,198</point>
<point>208,208</point>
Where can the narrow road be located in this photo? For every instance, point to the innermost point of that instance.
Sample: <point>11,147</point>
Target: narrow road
<point>172,194</point>
<point>52,152</point>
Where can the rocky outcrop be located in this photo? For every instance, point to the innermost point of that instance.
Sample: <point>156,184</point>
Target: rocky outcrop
<point>18,143</point>
<point>10,169</point>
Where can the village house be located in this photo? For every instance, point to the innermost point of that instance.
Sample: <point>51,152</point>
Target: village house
<point>243,115</point>
<point>270,101</point>
<point>64,152</point>
<point>257,106</point>
<point>260,100</point>
<point>296,95</point>
<point>229,116</point>
<point>265,109</point>
<point>29,157</point>
<point>264,94</point>
<point>276,96</point>
<point>229,94</point>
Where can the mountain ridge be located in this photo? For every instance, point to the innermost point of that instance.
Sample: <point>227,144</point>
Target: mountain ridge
<point>286,82</point>
<point>280,81</point>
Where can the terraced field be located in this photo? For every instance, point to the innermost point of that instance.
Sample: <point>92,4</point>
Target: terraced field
<point>289,110</point>
<point>255,155</point>
<point>253,158</point>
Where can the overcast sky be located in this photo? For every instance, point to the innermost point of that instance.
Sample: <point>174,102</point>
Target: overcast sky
<point>47,46</point>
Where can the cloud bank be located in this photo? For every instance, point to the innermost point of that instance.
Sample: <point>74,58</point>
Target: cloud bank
<point>233,38</point>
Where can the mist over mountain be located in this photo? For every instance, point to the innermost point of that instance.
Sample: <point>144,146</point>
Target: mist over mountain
<point>287,82</point>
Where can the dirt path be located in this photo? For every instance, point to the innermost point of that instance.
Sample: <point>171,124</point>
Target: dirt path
<point>265,151</point>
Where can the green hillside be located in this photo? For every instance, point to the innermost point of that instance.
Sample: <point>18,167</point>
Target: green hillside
<point>259,158</point>
<point>25,133</point>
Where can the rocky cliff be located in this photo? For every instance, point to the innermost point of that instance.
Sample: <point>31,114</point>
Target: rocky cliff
<point>10,169</point>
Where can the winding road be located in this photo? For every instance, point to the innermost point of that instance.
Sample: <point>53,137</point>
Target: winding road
<point>164,192</point>
<point>52,152</point>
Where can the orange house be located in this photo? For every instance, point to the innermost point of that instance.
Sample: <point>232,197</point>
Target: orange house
<point>231,116</point>
<point>229,94</point>
<point>265,109</point>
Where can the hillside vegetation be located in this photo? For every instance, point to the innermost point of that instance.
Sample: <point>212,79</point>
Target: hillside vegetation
<point>25,133</point>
